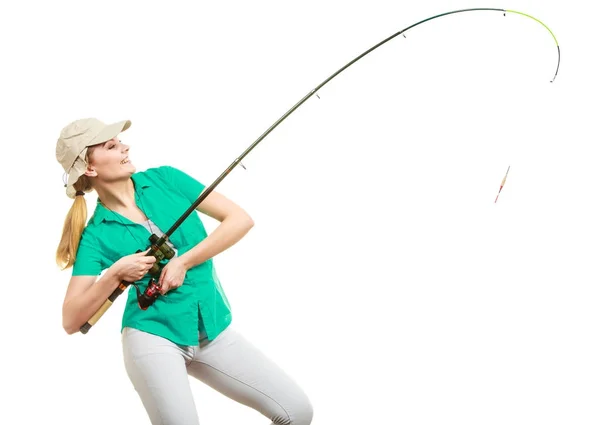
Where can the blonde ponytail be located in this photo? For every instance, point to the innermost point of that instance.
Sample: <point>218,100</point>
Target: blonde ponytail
<point>73,227</point>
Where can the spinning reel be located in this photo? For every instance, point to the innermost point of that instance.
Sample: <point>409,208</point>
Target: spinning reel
<point>161,252</point>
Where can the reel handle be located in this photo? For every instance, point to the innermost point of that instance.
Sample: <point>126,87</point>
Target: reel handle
<point>150,295</point>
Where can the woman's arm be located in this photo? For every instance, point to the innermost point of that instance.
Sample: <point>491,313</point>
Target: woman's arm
<point>235,224</point>
<point>85,295</point>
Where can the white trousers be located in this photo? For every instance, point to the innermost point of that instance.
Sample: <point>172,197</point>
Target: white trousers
<point>159,370</point>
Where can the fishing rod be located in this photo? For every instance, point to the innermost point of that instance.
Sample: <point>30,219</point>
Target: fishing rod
<point>158,246</point>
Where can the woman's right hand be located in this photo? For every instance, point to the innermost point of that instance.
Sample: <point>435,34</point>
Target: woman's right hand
<point>134,267</point>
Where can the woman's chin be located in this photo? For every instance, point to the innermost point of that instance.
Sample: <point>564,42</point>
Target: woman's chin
<point>129,167</point>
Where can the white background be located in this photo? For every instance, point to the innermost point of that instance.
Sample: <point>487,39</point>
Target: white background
<point>380,272</point>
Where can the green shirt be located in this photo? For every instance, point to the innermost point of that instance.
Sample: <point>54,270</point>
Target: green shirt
<point>163,194</point>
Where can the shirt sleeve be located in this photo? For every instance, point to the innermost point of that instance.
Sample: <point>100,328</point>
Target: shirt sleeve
<point>184,183</point>
<point>88,260</point>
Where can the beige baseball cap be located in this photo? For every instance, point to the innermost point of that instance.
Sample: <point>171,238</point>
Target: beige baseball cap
<point>74,140</point>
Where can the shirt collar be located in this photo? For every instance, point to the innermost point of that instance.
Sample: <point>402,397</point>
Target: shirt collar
<point>101,213</point>
<point>141,180</point>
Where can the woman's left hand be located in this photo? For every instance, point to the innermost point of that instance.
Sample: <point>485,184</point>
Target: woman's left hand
<point>172,275</point>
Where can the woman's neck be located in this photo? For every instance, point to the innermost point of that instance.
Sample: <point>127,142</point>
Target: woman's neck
<point>117,196</point>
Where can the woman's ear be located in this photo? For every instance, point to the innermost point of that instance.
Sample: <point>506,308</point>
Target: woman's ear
<point>90,171</point>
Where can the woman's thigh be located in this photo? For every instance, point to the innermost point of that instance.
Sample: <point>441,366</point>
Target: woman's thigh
<point>157,370</point>
<point>234,367</point>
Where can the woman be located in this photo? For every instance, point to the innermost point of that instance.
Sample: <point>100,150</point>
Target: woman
<point>186,331</point>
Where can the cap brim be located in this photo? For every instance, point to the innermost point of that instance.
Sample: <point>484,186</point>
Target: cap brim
<point>109,132</point>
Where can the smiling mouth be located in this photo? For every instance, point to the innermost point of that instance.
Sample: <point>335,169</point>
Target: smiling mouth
<point>125,161</point>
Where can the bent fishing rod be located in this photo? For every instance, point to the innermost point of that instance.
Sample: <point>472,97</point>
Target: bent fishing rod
<point>158,245</point>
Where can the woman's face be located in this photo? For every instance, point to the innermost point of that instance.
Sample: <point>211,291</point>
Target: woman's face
<point>109,161</point>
